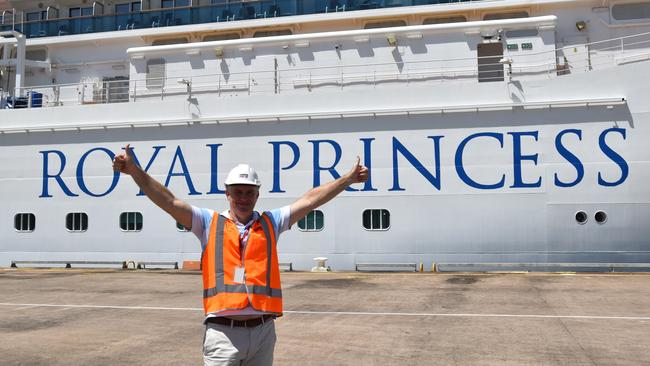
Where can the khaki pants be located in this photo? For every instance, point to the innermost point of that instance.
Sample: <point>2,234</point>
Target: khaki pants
<point>238,346</point>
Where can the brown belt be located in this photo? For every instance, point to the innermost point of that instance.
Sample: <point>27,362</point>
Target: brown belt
<point>250,323</point>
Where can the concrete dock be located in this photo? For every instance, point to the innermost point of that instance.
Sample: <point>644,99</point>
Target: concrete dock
<point>148,317</point>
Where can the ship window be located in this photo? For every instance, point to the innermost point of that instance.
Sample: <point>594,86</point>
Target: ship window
<point>76,221</point>
<point>521,33</point>
<point>127,8</point>
<point>272,33</point>
<point>174,3</point>
<point>314,221</point>
<point>80,12</point>
<point>25,222</point>
<point>386,24</point>
<point>36,55</point>
<point>631,11</point>
<point>131,221</point>
<point>221,37</point>
<point>510,15</point>
<point>581,217</point>
<point>376,219</point>
<point>181,228</point>
<point>600,217</point>
<point>155,73</point>
<point>162,42</point>
<point>454,19</point>
<point>34,16</point>
<point>122,8</point>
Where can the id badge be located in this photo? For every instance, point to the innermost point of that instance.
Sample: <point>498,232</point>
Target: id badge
<point>239,275</point>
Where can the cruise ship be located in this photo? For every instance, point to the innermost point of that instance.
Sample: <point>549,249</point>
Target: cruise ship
<point>499,134</point>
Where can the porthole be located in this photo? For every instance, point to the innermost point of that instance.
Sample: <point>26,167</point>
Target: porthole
<point>600,217</point>
<point>25,222</point>
<point>581,217</point>
<point>131,221</point>
<point>376,219</point>
<point>76,222</point>
<point>313,221</point>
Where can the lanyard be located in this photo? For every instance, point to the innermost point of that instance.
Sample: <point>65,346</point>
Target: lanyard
<point>243,238</point>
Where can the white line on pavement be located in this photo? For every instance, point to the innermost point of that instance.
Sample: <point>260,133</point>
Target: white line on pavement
<point>461,315</point>
<point>26,307</point>
<point>100,306</point>
<point>458,315</point>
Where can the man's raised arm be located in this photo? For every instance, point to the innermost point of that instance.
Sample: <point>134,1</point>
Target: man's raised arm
<point>157,193</point>
<point>322,194</point>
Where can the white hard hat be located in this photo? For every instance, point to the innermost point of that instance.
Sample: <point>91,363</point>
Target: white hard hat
<point>243,174</point>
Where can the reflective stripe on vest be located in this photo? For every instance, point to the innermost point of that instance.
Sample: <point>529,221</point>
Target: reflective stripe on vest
<point>241,288</point>
<point>262,291</point>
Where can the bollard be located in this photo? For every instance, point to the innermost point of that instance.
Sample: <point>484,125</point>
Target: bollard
<point>320,265</point>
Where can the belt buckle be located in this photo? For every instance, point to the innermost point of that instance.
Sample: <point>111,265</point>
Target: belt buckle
<point>251,323</point>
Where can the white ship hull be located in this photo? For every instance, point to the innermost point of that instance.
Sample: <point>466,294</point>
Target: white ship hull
<point>470,172</point>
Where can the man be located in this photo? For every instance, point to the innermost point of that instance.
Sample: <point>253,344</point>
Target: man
<point>241,276</point>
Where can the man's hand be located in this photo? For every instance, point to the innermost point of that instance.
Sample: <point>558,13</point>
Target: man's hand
<point>358,173</point>
<point>124,163</point>
<point>322,194</point>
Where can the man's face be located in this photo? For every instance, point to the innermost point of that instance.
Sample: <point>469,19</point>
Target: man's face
<point>242,199</point>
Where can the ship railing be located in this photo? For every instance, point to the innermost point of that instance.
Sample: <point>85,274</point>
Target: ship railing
<point>292,80</point>
<point>264,82</point>
<point>605,53</point>
<point>585,58</point>
<point>3,98</point>
<point>553,63</point>
<point>217,11</point>
<point>240,83</point>
<point>12,17</point>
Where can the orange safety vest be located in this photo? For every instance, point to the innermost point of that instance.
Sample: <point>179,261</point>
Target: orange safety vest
<point>261,288</point>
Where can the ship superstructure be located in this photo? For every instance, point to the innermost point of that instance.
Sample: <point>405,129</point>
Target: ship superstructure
<point>495,131</point>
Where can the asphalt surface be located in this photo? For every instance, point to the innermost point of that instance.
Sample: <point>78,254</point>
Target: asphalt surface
<point>90,317</point>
